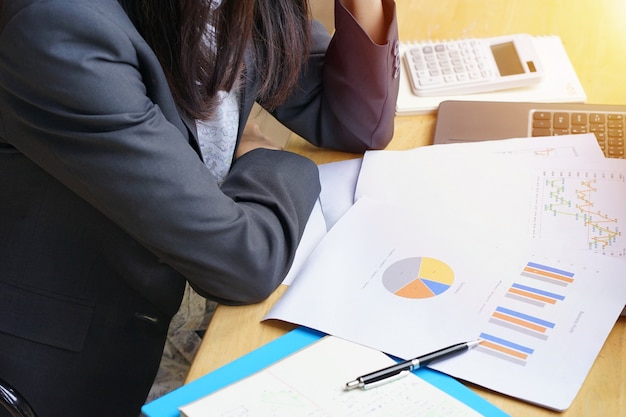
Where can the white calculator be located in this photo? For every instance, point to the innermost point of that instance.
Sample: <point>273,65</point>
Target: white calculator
<point>468,66</point>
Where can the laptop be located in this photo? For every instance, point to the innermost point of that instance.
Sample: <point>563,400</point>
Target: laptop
<point>468,121</point>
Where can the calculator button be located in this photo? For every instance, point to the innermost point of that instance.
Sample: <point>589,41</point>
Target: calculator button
<point>428,81</point>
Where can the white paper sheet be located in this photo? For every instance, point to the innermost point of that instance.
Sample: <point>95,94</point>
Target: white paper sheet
<point>338,181</point>
<point>310,383</point>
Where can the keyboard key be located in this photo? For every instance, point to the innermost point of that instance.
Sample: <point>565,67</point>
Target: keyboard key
<point>579,119</point>
<point>542,132</point>
<point>541,123</point>
<point>561,120</point>
<point>597,118</point>
<point>542,115</point>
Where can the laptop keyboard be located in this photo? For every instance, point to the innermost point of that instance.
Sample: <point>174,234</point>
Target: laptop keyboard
<point>607,126</point>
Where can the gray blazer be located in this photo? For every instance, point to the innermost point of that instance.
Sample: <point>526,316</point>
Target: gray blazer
<point>107,208</point>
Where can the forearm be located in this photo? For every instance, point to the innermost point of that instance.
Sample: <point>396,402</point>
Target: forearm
<point>370,15</point>
<point>347,97</point>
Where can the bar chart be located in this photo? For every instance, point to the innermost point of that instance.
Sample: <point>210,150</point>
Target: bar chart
<point>517,326</point>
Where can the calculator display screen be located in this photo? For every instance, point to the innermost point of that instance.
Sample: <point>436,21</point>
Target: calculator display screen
<point>507,59</point>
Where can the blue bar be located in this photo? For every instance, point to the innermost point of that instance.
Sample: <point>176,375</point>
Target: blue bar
<point>525,317</point>
<point>506,343</point>
<point>550,269</point>
<point>538,291</point>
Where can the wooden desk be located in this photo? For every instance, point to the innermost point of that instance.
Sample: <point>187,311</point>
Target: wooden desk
<point>595,38</point>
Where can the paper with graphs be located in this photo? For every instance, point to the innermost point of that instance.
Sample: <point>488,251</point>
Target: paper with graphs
<point>527,253</point>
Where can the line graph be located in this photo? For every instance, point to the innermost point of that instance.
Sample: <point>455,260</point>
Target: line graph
<point>584,208</point>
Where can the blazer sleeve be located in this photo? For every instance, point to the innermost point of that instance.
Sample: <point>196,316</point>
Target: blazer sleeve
<point>347,94</point>
<point>83,97</point>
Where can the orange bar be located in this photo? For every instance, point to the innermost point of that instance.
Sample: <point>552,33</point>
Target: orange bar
<point>519,322</point>
<point>503,349</point>
<point>547,274</point>
<point>533,295</point>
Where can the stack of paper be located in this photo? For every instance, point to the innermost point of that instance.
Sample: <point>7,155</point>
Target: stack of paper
<point>519,242</point>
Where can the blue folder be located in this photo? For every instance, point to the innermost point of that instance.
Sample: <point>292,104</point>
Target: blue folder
<point>167,405</point>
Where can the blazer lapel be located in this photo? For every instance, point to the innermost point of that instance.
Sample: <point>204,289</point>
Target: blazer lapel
<point>192,131</point>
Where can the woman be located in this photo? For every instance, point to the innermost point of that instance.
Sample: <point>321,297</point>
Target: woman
<point>106,202</point>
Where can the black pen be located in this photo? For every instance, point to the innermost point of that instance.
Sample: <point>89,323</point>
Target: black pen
<point>403,368</point>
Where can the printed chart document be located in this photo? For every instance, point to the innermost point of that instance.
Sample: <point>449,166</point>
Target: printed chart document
<point>525,252</point>
<point>407,288</point>
<point>310,383</point>
<point>503,191</point>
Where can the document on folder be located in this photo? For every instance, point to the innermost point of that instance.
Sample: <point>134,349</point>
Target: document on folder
<point>275,351</point>
<point>311,383</point>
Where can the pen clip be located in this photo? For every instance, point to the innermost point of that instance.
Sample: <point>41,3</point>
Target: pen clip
<point>388,380</point>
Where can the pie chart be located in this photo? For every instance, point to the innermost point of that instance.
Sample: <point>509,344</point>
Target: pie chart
<point>418,277</point>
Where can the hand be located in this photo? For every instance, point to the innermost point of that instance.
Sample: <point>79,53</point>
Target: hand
<point>252,138</point>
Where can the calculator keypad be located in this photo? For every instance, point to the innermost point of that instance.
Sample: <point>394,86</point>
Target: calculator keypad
<point>608,127</point>
<point>447,64</point>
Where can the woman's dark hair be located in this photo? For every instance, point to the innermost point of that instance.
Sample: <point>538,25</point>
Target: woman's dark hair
<point>196,69</point>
